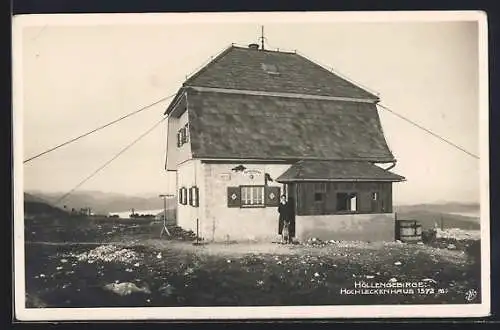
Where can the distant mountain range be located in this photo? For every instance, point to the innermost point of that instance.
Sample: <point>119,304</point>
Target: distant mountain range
<point>447,207</point>
<point>448,214</point>
<point>101,202</point>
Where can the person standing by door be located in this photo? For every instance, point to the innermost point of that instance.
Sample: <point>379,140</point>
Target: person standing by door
<point>286,213</point>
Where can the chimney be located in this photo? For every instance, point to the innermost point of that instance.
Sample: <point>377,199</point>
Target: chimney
<point>253,46</point>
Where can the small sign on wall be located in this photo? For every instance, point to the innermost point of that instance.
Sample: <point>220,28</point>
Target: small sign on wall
<point>225,176</point>
<point>252,173</point>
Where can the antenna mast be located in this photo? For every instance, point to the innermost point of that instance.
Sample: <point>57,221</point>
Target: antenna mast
<point>262,38</point>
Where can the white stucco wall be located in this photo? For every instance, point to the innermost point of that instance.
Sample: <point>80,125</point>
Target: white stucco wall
<point>221,222</point>
<point>348,227</point>
<point>218,222</point>
<point>188,175</point>
<point>176,155</point>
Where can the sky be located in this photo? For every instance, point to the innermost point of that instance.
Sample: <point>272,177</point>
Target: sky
<point>78,77</point>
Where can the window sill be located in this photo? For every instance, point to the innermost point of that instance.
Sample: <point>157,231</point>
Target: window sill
<point>252,206</point>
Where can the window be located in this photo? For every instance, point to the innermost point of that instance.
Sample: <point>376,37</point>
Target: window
<point>252,196</point>
<point>353,202</point>
<point>375,196</point>
<point>186,133</point>
<point>347,202</point>
<point>183,135</point>
<point>270,68</point>
<point>319,192</point>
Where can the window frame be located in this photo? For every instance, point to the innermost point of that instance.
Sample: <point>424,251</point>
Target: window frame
<point>270,68</point>
<point>185,136</point>
<point>262,197</point>
<point>349,198</point>
<point>320,188</point>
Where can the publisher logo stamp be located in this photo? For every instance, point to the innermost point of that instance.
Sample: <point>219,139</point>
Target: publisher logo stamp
<point>470,295</point>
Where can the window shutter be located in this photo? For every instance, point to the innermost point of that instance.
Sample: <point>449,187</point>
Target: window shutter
<point>272,196</point>
<point>186,133</point>
<point>179,141</point>
<point>190,196</point>
<point>233,197</point>
<point>183,135</point>
<point>195,193</point>
<point>181,196</point>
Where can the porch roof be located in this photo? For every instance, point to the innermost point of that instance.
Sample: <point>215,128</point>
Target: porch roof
<point>312,170</point>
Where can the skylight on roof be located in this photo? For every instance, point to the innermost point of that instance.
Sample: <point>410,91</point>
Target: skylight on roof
<point>270,68</point>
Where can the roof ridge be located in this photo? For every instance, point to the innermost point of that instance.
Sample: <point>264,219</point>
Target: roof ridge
<point>303,56</point>
<point>204,89</point>
<point>237,46</point>
<point>209,64</point>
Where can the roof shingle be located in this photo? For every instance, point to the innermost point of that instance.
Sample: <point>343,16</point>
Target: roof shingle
<point>238,126</point>
<point>337,171</point>
<point>242,69</point>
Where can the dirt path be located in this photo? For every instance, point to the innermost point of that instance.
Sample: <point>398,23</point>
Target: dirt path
<point>74,243</point>
<point>341,250</point>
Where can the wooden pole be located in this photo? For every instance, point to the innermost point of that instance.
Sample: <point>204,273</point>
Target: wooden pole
<point>165,229</point>
<point>197,230</point>
<point>262,37</point>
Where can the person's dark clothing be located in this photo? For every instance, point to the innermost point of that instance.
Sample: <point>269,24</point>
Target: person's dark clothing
<point>286,212</point>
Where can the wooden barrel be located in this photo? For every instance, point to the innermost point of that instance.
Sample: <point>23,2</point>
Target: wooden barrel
<point>410,231</point>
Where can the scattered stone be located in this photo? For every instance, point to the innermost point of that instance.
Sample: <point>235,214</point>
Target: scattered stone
<point>451,246</point>
<point>398,263</point>
<point>125,288</point>
<point>393,280</point>
<point>429,280</point>
<point>166,290</point>
<point>458,234</point>
<point>108,253</point>
<point>64,261</point>
<point>189,271</point>
<point>316,274</point>
<point>369,276</point>
<point>59,268</point>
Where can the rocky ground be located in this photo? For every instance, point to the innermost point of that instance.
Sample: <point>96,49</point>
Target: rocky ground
<point>126,264</point>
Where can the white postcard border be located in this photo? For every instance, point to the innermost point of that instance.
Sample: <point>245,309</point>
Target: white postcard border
<point>278,312</point>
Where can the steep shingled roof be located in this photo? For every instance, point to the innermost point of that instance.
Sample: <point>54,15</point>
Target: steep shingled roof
<point>337,171</point>
<point>248,69</point>
<point>237,126</point>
